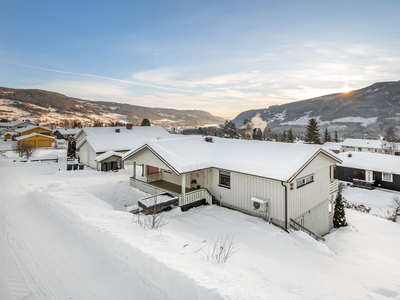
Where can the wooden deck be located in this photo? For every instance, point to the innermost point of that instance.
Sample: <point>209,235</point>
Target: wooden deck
<point>176,188</point>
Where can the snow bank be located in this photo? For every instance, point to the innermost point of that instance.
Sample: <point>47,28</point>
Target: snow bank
<point>80,213</point>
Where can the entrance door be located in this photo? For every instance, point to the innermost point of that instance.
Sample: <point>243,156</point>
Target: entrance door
<point>368,176</point>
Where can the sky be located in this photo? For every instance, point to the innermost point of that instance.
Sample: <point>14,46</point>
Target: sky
<point>224,57</point>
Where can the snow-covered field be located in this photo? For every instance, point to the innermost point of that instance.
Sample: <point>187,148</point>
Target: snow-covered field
<point>66,235</point>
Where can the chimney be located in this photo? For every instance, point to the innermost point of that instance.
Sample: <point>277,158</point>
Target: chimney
<point>349,155</point>
<point>117,130</point>
<point>208,139</point>
<point>128,126</point>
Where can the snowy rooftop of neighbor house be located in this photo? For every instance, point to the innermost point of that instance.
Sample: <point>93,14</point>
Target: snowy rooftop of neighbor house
<point>106,155</point>
<point>29,127</point>
<point>12,123</point>
<point>371,161</point>
<point>23,137</point>
<point>362,143</point>
<point>332,146</point>
<point>67,131</point>
<point>274,160</point>
<point>146,131</point>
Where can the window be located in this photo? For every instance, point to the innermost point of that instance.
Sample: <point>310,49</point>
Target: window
<point>305,180</point>
<point>387,177</point>
<point>224,178</point>
<point>360,149</point>
<point>167,171</point>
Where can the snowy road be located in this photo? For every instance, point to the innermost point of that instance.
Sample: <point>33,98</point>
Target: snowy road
<point>43,257</point>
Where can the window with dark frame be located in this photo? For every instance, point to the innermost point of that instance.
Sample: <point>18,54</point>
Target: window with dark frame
<point>224,178</point>
<point>304,180</point>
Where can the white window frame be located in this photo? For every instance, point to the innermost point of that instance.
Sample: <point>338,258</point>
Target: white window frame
<point>390,175</point>
<point>304,180</point>
<point>224,179</point>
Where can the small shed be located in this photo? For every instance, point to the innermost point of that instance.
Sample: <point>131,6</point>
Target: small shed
<point>9,135</point>
<point>36,140</point>
<point>109,161</point>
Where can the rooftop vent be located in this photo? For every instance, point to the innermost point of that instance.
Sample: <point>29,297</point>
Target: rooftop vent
<point>208,139</point>
<point>349,155</point>
<point>128,126</point>
<point>117,130</point>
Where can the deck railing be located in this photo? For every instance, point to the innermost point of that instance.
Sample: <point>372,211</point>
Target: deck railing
<point>153,177</point>
<point>189,197</point>
<point>363,183</point>
<point>194,196</point>
<point>334,187</point>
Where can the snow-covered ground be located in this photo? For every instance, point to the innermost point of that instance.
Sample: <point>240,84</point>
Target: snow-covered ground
<point>66,235</point>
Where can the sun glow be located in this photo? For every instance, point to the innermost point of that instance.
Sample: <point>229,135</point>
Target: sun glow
<point>346,89</point>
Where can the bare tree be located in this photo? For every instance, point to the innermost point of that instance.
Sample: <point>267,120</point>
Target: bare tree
<point>153,218</point>
<point>28,150</point>
<point>390,143</point>
<point>221,249</point>
<point>17,148</point>
<point>396,209</point>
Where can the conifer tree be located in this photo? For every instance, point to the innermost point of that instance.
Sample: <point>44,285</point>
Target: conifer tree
<point>290,137</point>
<point>246,130</point>
<point>200,131</point>
<point>284,137</point>
<point>336,138</point>
<point>228,130</point>
<point>71,151</point>
<point>145,122</point>
<point>312,132</point>
<point>339,217</point>
<point>327,136</point>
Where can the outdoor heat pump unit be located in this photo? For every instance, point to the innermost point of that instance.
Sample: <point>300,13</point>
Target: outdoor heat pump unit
<point>260,205</point>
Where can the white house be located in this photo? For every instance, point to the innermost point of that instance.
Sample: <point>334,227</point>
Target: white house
<point>95,141</point>
<point>332,146</point>
<point>277,181</point>
<point>361,145</point>
<point>10,127</point>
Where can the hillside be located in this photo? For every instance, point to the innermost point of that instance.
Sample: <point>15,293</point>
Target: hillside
<point>54,110</point>
<point>366,112</point>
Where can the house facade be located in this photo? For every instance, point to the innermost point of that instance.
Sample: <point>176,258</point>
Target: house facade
<point>36,140</point>
<point>275,181</point>
<point>34,129</point>
<point>65,133</point>
<point>362,145</point>
<point>95,141</point>
<point>369,170</point>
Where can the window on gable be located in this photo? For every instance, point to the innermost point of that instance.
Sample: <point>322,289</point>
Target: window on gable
<point>305,180</point>
<point>224,178</point>
<point>387,177</point>
<point>360,149</point>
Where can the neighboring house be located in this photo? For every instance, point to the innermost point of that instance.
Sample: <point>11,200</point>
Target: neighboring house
<point>64,134</point>
<point>276,181</point>
<point>13,125</point>
<point>146,131</point>
<point>361,145</point>
<point>34,129</point>
<point>94,141</point>
<point>36,140</point>
<point>369,170</point>
<point>334,147</point>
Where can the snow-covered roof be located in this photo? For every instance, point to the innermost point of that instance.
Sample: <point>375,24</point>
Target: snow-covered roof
<point>12,123</point>
<point>332,146</point>
<point>145,131</point>
<point>281,161</point>
<point>103,143</point>
<point>68,131</point>
<point>361,143</point>
<point>106,155</point>
<point>371,161</point>
<point>29,127</point>
<point>23,137</point>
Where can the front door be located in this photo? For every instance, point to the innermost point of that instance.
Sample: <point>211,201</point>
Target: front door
<point>368,176</point>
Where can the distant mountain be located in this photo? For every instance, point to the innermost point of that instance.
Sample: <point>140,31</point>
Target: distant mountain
<point>366,112</point>
<point>55,110</point>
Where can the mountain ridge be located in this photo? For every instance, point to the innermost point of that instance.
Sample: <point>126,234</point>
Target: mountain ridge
<point>45,106</point>
<point>365,112</point>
